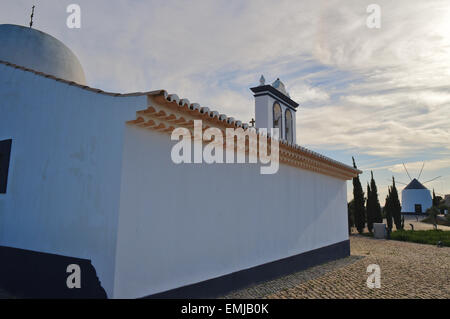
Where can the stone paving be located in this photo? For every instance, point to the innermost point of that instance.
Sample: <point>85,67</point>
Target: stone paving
<point>408,270</point>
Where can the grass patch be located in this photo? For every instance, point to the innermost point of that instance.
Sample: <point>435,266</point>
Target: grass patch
<point>430,237</point>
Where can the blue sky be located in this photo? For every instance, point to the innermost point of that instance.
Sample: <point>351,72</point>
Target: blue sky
<point>381,95</point>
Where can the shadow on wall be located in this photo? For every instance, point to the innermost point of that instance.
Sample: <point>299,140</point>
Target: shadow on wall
<point>30,274</point>
<point>223,285</point>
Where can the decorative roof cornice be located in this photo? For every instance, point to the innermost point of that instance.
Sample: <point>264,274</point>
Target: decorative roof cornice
<point>166,112</point>
<point>259,90</point>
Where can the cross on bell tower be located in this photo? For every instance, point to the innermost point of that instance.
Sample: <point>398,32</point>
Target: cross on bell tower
<point>31,17</point>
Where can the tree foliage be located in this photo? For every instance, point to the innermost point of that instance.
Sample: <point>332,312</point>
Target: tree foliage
<point>373,205</point>
<point>436,199</point>
<point>393,206</point>
<point>369,210</point>
<point>358,198</point>
<point>388,209</point>
<point>351,215</point>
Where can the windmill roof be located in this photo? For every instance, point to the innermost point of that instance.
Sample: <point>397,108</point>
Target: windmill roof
<point>415,184</point>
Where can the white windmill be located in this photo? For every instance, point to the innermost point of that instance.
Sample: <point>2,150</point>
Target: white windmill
<point>416,198</point>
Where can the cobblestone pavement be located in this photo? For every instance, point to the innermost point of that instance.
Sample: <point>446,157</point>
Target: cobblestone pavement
<point>408,270</point>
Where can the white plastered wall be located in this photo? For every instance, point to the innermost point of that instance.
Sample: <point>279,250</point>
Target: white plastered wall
<point>181,224</point>
<point>64,177</point>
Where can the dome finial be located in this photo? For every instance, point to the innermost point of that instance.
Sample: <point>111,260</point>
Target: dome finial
<point>31,17</point>
<point>262,81</point>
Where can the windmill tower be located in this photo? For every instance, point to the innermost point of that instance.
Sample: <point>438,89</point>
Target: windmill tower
<point>416,198</point>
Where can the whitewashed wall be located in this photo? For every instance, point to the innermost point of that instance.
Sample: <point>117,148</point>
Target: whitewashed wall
<point>181,224</point>
<point>264,114</point>
<point>64,178</point>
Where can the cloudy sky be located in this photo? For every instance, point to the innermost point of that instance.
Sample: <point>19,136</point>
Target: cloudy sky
<point>381,95</point>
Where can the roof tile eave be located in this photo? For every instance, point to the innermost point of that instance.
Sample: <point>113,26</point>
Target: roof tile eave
<point>232,122</point>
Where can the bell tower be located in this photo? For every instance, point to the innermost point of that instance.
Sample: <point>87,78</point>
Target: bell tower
<point>274,108</point>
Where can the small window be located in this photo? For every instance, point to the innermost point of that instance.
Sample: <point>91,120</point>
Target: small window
<point>5,151</point>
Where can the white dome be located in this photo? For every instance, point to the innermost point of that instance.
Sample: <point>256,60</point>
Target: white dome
<point>39,51</point>
<point>280,87</point>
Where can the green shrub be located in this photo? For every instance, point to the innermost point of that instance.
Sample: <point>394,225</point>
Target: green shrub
<point>431,237</point>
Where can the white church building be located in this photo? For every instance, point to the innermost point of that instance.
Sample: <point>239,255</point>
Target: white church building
<point>87,179</point>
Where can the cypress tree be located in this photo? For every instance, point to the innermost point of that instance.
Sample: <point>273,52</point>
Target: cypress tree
<point>388,209</point>
<point>358,208</point>
<point>395,206</point>
<point>375,202</point>
<point>369,209</point>
<point>351,215</point>
<point>435,200</point>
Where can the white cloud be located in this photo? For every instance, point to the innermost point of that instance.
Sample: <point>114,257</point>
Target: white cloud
<point>308,94</point>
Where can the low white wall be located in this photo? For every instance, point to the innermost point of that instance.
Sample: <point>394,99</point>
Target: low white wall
<point>181,224</point>
<point>64,177</point>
